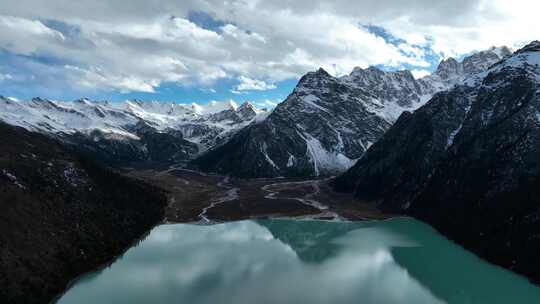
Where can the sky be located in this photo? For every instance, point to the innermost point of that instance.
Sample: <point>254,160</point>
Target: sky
<point>242,50</point>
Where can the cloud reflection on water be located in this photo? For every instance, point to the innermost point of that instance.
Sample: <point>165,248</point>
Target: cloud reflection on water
<point>251,262</point>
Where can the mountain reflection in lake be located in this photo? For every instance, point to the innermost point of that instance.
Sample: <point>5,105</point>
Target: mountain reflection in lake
<point>290,261</point>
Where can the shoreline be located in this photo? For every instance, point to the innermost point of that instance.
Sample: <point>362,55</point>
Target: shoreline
<point>195,219</point>
<point>397,217</point>
<point>215,186</point>
<point>104,265</point>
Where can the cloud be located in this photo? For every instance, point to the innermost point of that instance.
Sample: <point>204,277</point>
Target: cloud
<point>95,78</point>
<point>5,77</point>
<point>248,84</point>
<point>208,90</point>
<point>139,45</point>
<point>23,36</point>
<point>420,73</point>
<point>488,23</point>
<point>268,104</point>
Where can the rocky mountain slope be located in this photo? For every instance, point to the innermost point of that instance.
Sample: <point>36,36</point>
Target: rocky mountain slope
<point>468,162</point>
<point>61,215</point>
<point>327,123</point>
<point>131,132</point>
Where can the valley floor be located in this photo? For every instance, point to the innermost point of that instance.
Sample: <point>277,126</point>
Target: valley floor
<point>201,198</point>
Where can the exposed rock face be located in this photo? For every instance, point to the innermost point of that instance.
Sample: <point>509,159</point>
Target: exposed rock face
<point>62,216</point>
<point>403,159</point>
<point>320,128</point>
<point>132,132</point>
<point>391,87</point>
<point>327,122</point>
<point>468,162</point>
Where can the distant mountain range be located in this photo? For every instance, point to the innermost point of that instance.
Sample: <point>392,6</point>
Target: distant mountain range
<point>132,132</point>
<point>322,128</point>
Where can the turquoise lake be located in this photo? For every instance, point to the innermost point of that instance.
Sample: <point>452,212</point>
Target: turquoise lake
<point>300,261</point>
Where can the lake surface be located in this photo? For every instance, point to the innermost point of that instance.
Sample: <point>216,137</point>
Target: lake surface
<point>300,261</point>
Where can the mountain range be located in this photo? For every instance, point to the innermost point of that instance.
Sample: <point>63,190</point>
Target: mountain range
<point>459,149</point>
<point>320,129</point>
<point>132,132</point>
<point>327,122</point>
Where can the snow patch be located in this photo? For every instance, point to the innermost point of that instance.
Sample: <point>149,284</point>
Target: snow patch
<point>290,161</point>
<point>310,100</point>
<point>453,134</point>
<point>265,153</point>
<point>323,160</point>
<point>13,179</point>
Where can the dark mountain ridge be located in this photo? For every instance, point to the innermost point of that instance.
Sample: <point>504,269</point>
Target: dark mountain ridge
<point>468,163</point>
<point>62,215</point>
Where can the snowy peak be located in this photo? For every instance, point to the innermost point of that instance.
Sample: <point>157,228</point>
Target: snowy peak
<point>314,79</point>
<point>201,124</point>
<point>236,115</point>
<point>322,72</point>
<point>531,47</point>
<point>482,60</point>
<point>399,91</point>
<point>373,74</point>
<point>449,68</point>
<point>452,70</point>
<point>526,58</point>
<point>248,111</point>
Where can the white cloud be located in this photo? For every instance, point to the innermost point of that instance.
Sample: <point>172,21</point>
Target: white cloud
<point>237,92</point>
<point>95,78</point>
<point>208,90</point>
<point>420,73</point>
<point>248,84</point>
<point>489,23</point>
<point>5,77</point>
<point>23,36</point>
<point>269,104</point>
<point>138,45</point>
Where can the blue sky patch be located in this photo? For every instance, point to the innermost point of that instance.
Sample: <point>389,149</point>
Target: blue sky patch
<point>205,21</point>
<point>429,55</point>
<point>44,75</point>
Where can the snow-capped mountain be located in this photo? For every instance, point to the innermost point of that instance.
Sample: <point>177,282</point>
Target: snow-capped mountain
<point>131,131</point>
<point>323,126</point>
<point>468,162</point>
<point>327,123</point>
